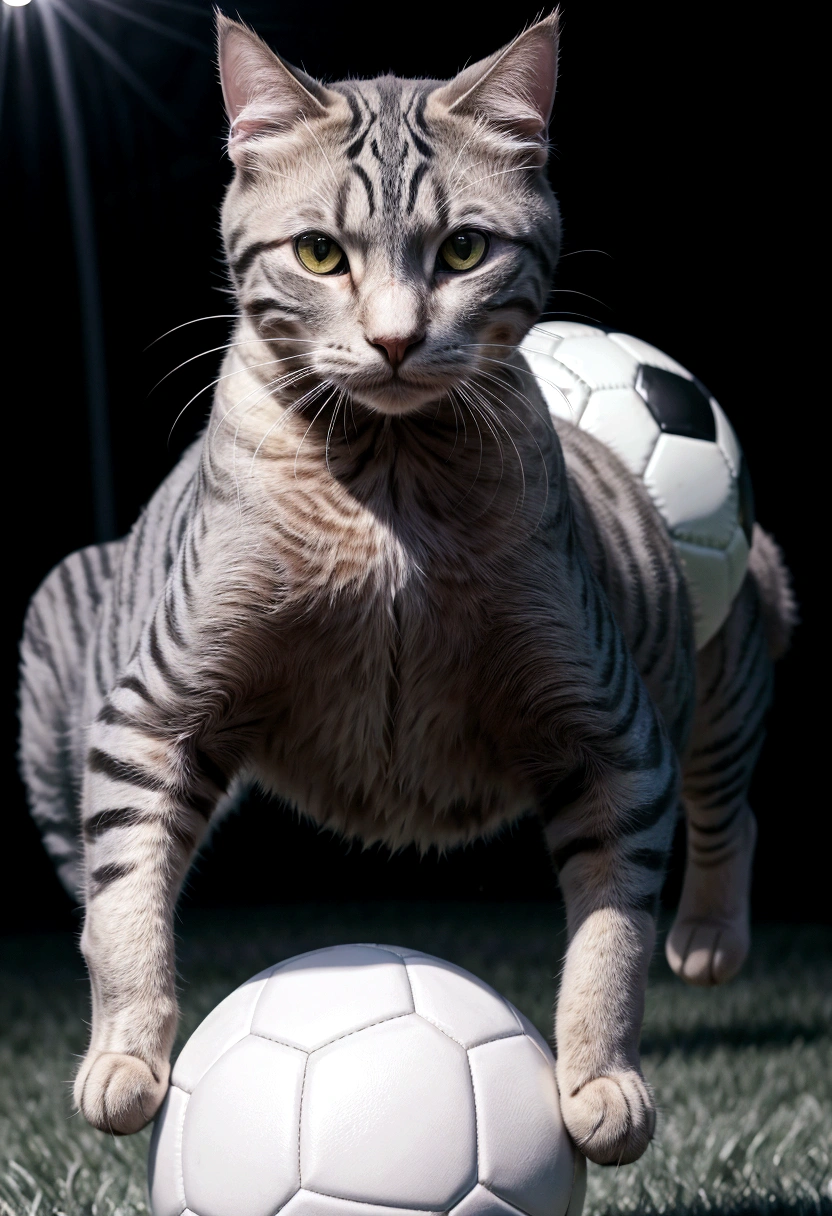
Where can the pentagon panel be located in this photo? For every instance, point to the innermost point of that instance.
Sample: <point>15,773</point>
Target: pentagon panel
<point>518,1123</point>
<point>458,1004</point>
<point>296,1006</point>
<point>388,1118</point>
<point>677,404</point>
<point>240,1135</point>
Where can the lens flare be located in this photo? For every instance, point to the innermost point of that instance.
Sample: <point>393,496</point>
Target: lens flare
<point>16,3</point>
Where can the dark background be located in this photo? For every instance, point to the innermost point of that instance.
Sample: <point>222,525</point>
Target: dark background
<point>676,155</point>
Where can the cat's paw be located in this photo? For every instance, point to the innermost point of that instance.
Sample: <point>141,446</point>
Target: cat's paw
<point>707,952</point>
<point>119,1094</point>
<point>611,1119</point>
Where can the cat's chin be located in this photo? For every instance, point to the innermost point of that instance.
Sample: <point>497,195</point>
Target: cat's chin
<point>397,401</point>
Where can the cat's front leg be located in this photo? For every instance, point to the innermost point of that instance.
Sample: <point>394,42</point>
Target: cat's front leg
<point>610,848</point>
<point>147,800</point>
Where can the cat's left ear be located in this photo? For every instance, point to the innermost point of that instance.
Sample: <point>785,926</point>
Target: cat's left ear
<point>263,94</point>
<point>513,90</point>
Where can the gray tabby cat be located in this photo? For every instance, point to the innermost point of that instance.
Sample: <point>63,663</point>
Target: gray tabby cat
<point>384,587</point>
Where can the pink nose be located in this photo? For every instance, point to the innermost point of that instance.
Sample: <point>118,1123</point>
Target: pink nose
<point>396,348</point>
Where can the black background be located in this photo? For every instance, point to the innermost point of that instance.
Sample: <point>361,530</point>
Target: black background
<point>676,155</point>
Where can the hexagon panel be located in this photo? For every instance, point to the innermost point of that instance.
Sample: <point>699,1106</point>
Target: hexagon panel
<point>224,1026</point>
<point>598,362</point>
<point>564,393</point>
<point>691,484</point>
<point>463,1007</point>
<point>240,1132</point>
<point>518,1124</point>
<point>380,1104</point>
<point>310,1203</point>
<point>620,418</point>
<point>296,1005</point>
<point>165,1182</point>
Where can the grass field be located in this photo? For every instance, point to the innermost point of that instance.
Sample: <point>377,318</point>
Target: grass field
<point>743,1074</point>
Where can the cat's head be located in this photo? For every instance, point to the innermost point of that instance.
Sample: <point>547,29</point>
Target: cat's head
<point>400,233</point>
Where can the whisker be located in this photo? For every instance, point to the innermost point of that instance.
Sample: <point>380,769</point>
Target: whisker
<point>238,372</point>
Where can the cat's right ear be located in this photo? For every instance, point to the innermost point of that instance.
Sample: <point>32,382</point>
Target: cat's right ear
<point>263,95</point>
<point>511,92</point>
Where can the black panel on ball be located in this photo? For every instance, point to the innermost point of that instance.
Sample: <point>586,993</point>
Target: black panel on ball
<point>746,500</point>
<point>679,406</point>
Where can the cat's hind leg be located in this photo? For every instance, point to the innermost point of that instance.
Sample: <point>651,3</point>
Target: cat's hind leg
<point>711,935</point>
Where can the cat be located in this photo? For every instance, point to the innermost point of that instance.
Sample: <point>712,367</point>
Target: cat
<point>384,586</point>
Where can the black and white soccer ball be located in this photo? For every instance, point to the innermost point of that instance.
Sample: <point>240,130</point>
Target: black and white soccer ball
<point>667,428</point>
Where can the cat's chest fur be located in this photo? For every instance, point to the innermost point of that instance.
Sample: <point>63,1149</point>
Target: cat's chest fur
<point>383,614</point>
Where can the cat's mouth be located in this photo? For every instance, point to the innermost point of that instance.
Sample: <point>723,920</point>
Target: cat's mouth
<point>402,392</point>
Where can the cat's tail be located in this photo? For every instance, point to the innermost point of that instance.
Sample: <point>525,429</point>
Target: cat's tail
<point>768,568</point>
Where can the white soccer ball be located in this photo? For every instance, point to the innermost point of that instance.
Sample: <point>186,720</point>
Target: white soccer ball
<point>364,1081</point>
<point>669,431</point>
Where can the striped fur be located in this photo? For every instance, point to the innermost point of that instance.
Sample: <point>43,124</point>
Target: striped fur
<point>385,588</point>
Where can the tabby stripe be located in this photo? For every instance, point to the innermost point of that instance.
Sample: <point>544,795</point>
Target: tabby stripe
<point>413,189</point>
<point>713,829</point>
<point>71,602</point>
<point>244,261</point>
<point>134,684</point>
<point>115,817</point>
<point>102,762</point>
<point>368,186</point>
<point>163,667</point>
<point>105,875</point>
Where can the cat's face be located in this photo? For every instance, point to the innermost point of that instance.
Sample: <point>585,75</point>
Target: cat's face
<point>399,236</point>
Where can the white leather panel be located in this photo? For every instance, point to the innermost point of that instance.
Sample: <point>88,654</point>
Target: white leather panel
<point>223,1027</point>
<point>564,393</point>
<point>310,1203</point>
<point>736,558</point>
<point>164,1163</point>
<point>726,438</point>
<point>525,1155</point>
<point>296,1006</point>
<point>690,482</point>
<point>534,1034</point>
<point>464,1007</point>
<point>598,362</point>
<point>388,1118</point>
<point>240,1142</point>
<point>621,420</point>
<point>706,572</point>
<point>643,352</point>
<point>482,1202</point>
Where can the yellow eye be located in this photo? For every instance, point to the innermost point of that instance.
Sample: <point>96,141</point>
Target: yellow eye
<point>319,254</point>
<point>464,250</point>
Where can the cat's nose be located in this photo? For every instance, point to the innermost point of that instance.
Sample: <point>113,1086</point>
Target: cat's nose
<point>396,348</point>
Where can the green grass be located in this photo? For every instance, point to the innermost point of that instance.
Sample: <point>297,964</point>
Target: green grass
<point>743,1074</point>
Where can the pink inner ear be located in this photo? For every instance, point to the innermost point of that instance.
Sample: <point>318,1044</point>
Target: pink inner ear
<point>233,74</point>
<point>542,79</point>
